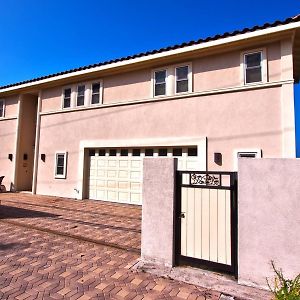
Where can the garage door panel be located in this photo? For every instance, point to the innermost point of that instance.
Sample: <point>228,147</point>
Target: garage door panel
<point>119,178</point>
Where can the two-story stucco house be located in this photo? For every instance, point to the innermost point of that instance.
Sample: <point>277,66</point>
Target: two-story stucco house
<point>83,133</point>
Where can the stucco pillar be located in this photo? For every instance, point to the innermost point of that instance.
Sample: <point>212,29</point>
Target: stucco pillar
<point>287,100</point>
<point>159,176</point>
<point>269,219</point>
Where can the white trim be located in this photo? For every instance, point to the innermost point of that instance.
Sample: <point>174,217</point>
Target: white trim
<point>84,94</point>
<point>222,41</point>
<point>8,118</point>
<point>257,151</point>
<point>189,78</point>
<point>167,82</point>
<point>3,109</point>
<point>264,66</point>
<point>100,92</point>
<point>200,142</point>
<point>64,175</point>
<point>63,96</point>
<point>179,96</point>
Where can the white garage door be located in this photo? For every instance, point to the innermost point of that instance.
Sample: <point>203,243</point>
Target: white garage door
<point>117,174</point>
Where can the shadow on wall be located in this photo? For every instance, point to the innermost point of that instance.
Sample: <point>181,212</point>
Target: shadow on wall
<point>7,212</point>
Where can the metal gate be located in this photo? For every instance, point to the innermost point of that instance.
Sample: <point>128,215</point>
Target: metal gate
<point>206,220</point>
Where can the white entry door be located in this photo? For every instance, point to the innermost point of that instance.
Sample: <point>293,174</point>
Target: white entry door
<point>117,174</point>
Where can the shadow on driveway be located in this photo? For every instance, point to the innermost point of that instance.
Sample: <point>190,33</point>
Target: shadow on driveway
<point>8,212</point>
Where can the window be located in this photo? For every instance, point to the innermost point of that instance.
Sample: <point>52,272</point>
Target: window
<point>80,95</point>
<point>149,152</point>
<point>253,67</point>
<point>67,98</point>
<point>2,105</point>
<point>160,82</point>
<point>182,81</point>
<point>124,152</point>
<point>112,152</point>
<point>192,151</point>
<point>95,93</point>
<point>60,165</point>
<point>136,152</point>
<point>247,154</point>
<point>92,152</point>
<point>177,152</point>
<point>101,152</point>
<point>163,152</point>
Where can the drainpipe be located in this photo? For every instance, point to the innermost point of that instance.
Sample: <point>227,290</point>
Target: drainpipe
<point>37,143</point>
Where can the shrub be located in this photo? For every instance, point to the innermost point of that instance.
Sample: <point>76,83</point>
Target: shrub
<point>284,289</point>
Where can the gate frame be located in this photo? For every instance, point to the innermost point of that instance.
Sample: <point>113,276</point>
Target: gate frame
<point>200,263</point>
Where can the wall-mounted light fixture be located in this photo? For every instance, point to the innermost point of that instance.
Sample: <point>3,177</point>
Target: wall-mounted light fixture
<point>10,157</point>
<point>25,156</point>
<point>218,158</point>
<point>43,157</point>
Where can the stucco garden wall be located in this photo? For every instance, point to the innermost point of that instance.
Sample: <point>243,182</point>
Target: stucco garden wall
<point>269,218</point>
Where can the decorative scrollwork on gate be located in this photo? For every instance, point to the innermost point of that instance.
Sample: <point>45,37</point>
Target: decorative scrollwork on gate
<point>205,179</point>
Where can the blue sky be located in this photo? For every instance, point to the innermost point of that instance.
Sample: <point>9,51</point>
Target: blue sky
<point>44,37</point>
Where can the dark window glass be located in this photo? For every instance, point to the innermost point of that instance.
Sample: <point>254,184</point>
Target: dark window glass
<point>149,152</point>
<point>182,86</point>
<point>67,98</point>
<point>92,152</point>
<point>192,151</point>
<point>182,82</point>
<point>95,93</point>
<point>60,164</point>
<point>162,152</point>
<point>136,152</point>
<point>80,95</point>
<point>112,152</point>
<point>124,152</point>
<point>160,83</point>
<point>101,152</point>
<point>177,152</point>
<point>1,109</point>
<point>253,67</point>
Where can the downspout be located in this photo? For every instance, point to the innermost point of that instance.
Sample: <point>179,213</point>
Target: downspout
<point>37,143</point>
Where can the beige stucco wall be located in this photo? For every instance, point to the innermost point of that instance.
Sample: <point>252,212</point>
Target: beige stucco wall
<point>11,106</point>
<point>209,72</point>
<point>7,146</point>
<point>233,120</point>
<point>269,218</point>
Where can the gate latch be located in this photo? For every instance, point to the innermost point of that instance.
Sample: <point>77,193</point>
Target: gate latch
<point>182,216</point>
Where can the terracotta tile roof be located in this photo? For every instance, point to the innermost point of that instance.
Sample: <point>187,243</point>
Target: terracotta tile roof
<point>165,49</point>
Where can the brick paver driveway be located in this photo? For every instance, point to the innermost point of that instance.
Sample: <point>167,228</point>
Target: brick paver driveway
<point>53,248</point>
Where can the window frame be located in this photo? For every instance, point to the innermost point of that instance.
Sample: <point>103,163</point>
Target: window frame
<point>3,109</point>
<point>84,94</point>
<point>63,97</point>
<point>100,93</point>
<point>166,82</point>
<point>64,175</point>
<point>189,78</point>
<point>264,68</point>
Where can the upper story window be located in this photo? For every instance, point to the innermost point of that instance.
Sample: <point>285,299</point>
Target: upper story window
<point>253,67</point>
<point>67,98</point>
<point>80,95</point>
<point>2,107</point>
<point>160,82</point>
<point>182,79</point>
<point>95,93</point>
<point>61,165</point>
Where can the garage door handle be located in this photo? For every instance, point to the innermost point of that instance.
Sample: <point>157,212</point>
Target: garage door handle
<point>182,216</point>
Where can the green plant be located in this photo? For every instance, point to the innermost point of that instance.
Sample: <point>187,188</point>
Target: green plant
<point>284,289</point>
